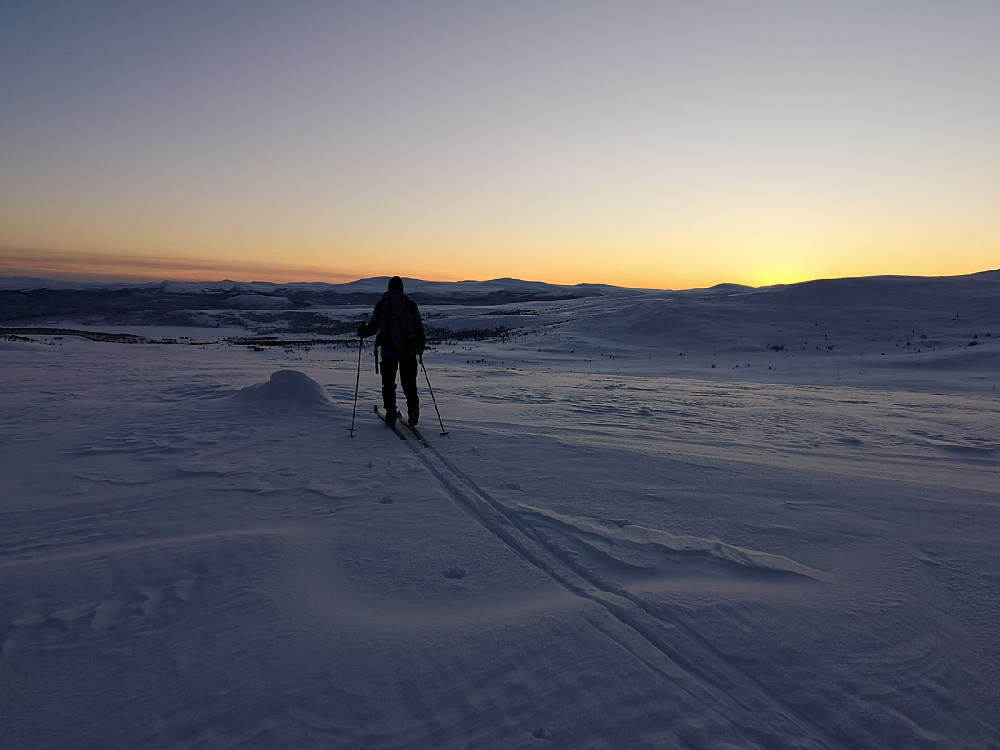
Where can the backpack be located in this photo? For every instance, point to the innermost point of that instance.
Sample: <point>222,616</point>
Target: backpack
<point>396,324</point>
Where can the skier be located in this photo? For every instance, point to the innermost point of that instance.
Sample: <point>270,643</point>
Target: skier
<point>400,329</point>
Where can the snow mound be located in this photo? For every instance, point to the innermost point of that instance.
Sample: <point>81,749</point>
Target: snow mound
<point>286,385</point>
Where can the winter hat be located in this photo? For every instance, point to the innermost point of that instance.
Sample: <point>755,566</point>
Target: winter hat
<point>395,284</point>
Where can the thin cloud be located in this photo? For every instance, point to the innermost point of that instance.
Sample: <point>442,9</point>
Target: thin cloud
<point>107,266</point>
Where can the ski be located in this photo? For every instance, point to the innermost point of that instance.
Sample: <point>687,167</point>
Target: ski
<point>394,427</point>
<point>416,433</point>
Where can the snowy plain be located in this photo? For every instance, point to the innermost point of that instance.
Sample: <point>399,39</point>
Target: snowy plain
<point>725,518</point>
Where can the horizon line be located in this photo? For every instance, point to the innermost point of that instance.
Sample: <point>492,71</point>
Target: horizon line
<point>99,279</point>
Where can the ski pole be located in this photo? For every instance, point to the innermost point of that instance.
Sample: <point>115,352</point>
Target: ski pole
<point>443,430</point>
<point>357,382</point>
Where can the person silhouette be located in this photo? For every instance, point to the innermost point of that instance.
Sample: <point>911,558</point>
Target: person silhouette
<point>401,337</point>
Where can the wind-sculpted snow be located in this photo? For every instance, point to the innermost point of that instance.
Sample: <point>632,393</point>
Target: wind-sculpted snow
<point>653,551</point>
<point>615,546</point>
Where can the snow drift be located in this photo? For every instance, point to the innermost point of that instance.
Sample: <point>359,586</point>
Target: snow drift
<point>286,385</point>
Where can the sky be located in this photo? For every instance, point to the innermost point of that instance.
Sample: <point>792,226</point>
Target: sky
<point>647,143</point>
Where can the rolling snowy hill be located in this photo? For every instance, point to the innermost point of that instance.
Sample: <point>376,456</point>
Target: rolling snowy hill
<point>731,517</point>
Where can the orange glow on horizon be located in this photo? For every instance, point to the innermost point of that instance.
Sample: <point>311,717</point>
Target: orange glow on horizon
<point>344,154</point>
<point>96,268</point>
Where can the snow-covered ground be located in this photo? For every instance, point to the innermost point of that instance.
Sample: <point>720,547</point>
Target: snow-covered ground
<point>727,519</point>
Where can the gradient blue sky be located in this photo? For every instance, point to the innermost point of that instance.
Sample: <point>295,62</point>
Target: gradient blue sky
<point>664,144</point>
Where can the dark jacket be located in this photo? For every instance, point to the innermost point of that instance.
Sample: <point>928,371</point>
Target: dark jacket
<point>400,328</point>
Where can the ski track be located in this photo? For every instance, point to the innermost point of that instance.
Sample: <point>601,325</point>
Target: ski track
<point>672,649</point>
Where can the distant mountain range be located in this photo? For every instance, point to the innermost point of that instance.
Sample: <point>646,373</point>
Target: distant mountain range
<point>26,298</point>
<point>374,285</point>
<point>29,300</point>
